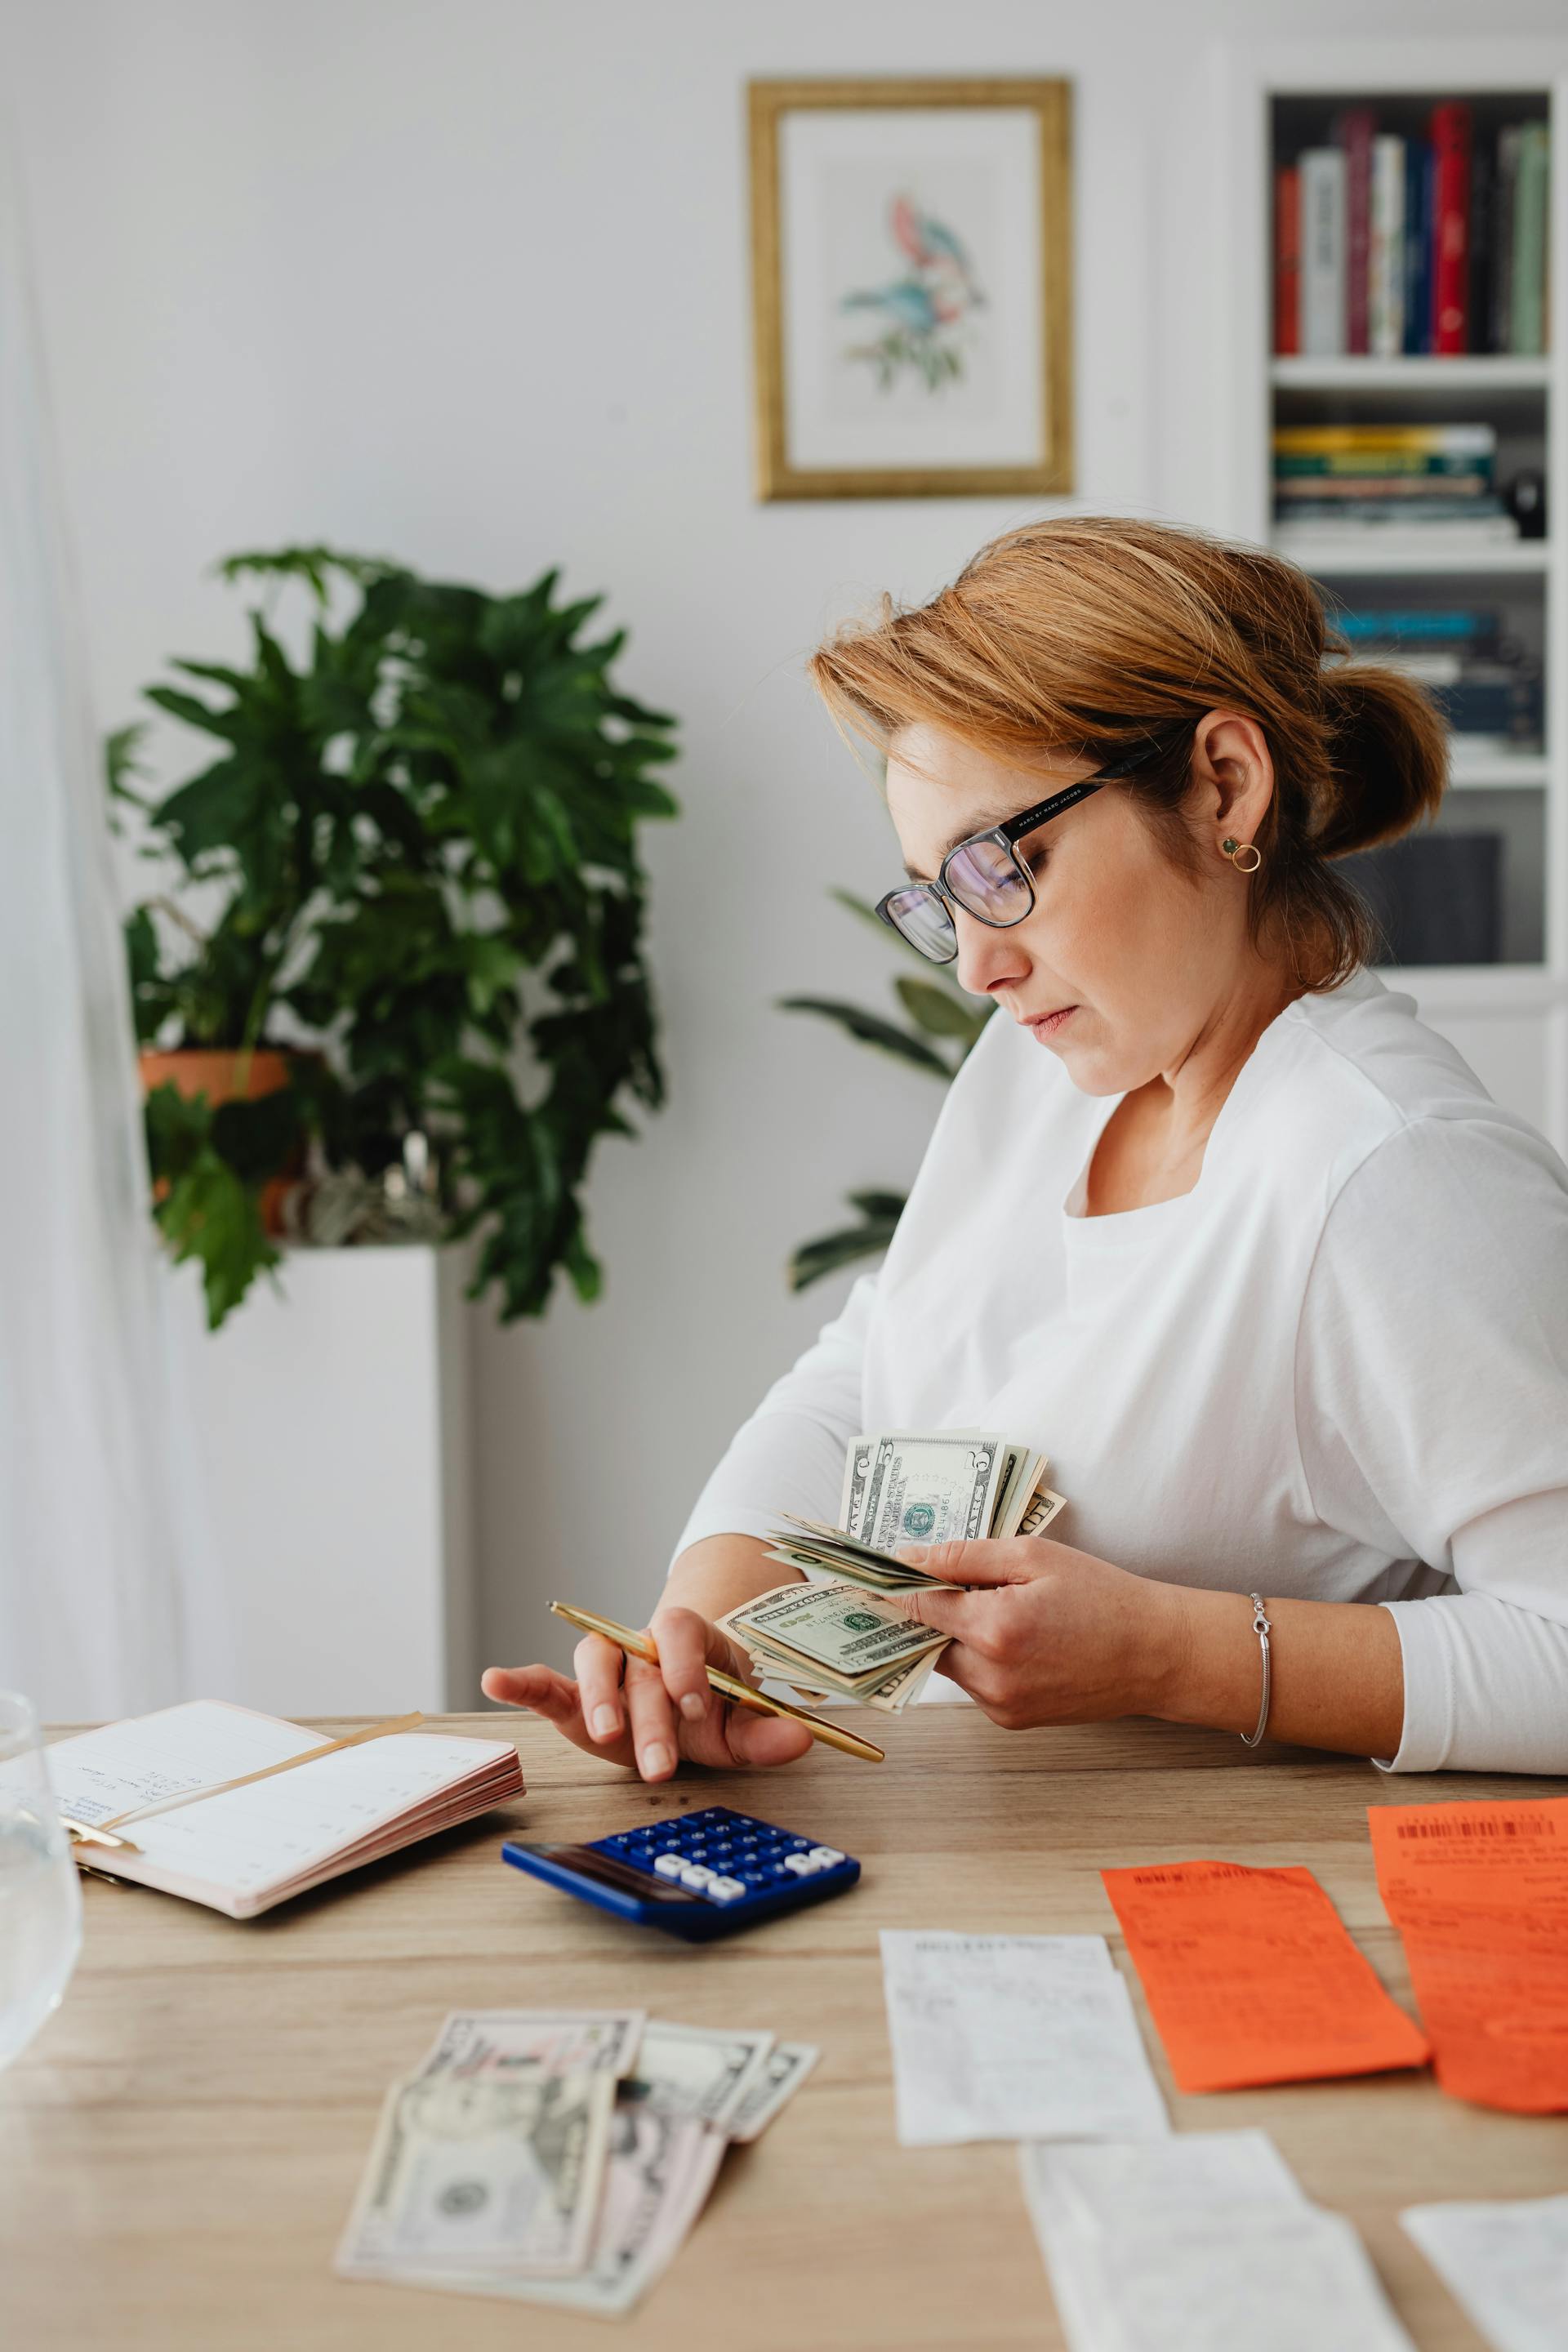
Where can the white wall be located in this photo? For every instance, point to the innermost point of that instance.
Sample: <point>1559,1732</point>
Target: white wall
<point>465,281</point>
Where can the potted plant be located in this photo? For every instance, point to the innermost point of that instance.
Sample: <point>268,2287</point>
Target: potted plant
<point>402,945</point>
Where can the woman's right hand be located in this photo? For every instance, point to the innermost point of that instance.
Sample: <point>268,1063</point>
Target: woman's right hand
<point>648,1716</point>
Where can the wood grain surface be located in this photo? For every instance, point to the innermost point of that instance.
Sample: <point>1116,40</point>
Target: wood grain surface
<point>179,2146</point>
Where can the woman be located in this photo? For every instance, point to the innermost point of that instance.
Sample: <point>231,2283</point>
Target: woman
<point>1208,1216</point>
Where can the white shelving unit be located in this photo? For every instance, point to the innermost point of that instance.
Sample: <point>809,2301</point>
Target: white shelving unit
<point>1508,1019</point>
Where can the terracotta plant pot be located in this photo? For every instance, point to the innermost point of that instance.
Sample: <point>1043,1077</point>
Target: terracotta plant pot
<point>198,1071</point>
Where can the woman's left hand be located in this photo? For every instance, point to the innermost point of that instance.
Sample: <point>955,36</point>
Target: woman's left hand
<point>1042,1633</point>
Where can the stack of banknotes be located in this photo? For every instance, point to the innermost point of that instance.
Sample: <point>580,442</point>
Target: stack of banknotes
<point>559,2157</point>
<point>829,1640</point>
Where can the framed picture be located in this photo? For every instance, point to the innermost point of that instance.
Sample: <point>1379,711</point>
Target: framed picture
<point>911,247</point>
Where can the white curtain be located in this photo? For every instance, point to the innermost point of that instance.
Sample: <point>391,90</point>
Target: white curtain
<point>98,1518</point>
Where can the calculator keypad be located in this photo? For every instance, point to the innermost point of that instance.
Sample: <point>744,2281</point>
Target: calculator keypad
<point>721,1855</point>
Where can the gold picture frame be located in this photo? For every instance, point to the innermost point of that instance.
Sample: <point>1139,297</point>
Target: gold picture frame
<point>1047,470</point>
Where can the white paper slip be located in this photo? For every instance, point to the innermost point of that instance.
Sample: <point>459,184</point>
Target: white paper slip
<point>1145,2183</point>
<point>1079,2194</point>
<point>1200,2243</point>
<point>1507,2264</point>
<point>1014,2037</point>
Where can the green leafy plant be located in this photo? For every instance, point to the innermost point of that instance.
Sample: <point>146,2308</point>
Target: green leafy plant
<point>940,1029</point>
<point>414,867</point>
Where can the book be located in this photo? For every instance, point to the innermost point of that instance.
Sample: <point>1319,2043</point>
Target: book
<point>1354,128</point>
<point>242,1850</point>
<point>1527,290</point>
<point>1463,627</point>
<point>1306,542</point>
<point>1503,196</point>
<point>1418,244</point>
<point>1419,507</point>
<point>1322,173</point>
<point>1443,440</point>
<point>1483,232</point>
<point>1287,261</point>
<point>1450,128</point>
<point>1385,249</point>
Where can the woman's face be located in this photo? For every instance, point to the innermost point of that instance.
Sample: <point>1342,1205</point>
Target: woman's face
<point>1147,958</point>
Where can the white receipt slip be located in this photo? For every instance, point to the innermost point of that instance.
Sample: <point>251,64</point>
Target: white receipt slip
<point>1200,2243</point>
<point>1014,2037</point>
<point>1507,2264</point>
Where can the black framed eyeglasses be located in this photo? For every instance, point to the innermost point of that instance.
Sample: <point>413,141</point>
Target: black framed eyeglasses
<point>985,876</point>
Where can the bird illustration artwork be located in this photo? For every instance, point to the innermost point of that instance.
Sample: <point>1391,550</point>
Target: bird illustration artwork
<point>921,312</point>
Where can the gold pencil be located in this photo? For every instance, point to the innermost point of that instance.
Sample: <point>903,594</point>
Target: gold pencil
<point>642,1646</point>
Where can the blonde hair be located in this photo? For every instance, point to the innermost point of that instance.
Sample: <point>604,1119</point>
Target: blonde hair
<point>1087,636</point>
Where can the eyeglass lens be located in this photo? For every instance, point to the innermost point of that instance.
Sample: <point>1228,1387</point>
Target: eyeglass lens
<point>925,922</point>
<point>984,878</point>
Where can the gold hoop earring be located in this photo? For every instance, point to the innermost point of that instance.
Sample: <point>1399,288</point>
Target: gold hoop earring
<point>1236,850</point>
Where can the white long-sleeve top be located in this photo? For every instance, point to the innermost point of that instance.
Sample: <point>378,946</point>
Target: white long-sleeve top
<point>1336,1370</point>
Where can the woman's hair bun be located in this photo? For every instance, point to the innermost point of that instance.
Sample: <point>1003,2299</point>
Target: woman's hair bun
<point>1388,756</point>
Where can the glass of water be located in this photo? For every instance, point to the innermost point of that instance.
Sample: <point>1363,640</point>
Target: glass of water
<point>40,1896</point>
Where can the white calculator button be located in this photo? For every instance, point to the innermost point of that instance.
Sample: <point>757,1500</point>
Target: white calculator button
<point>669,1865</point>
<point>697,1874</point>
<point>724,1890</point>
<point>801,1863</point>
<point>824,1856</point>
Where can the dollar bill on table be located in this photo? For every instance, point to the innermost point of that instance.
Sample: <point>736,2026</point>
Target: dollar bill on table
<point>562,2041</point>
<point>503,2172</point>
<point>788,2064</point>
<point>691,2092</point>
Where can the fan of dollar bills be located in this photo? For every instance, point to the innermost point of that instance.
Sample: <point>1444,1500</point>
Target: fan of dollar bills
<point>559,2157</point>
<point>847,1638</point>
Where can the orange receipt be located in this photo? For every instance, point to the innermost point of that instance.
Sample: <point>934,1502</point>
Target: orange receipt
<point>1480,1893</point>
<point>1251,1977</point>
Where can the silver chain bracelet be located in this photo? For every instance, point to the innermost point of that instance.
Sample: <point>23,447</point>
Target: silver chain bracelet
<point>1262,1628</point>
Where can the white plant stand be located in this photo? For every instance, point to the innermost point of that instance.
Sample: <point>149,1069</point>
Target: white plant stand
<point>330,1422</point>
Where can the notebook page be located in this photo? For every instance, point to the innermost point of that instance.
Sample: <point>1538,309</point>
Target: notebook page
<point>99,1774</point>
<point>248,1839</point>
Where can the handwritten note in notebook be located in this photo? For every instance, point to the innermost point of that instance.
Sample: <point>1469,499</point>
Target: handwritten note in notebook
<point>1012,2037</point>
<point>245,1849</point>
<point>1480,1893</point>
<point>1251,1977</point>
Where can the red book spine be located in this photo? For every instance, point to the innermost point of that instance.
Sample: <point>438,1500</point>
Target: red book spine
<point>1354,131</point>
<point>1287,260</point>
<point>1450,133</point>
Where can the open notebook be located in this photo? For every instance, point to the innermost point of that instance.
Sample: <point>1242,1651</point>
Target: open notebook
<point>245,1849</point>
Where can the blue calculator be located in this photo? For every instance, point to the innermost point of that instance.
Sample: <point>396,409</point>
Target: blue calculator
<point>698,1875</point>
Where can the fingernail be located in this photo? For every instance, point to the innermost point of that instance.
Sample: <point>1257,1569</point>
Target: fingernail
<point>656,1759</point>
<point>606,1722</point>
<point>691,1706</point>
<point>911,1551</point>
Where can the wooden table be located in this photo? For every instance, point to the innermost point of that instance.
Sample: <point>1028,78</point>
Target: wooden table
<point>179,2148</point>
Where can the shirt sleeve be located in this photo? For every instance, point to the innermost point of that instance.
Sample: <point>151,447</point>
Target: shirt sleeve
<point>789,1456</point>
<point>1432,1420</point>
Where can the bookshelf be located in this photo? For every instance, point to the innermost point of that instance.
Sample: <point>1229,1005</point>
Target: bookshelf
<point>1506,1010</point>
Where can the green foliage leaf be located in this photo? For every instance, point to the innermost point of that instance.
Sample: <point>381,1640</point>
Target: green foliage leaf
<point>880,1213</point>
<point>426,841</point>
<point>941,1013</point>
<point>870,1029</point>
<point>203,1207</point>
